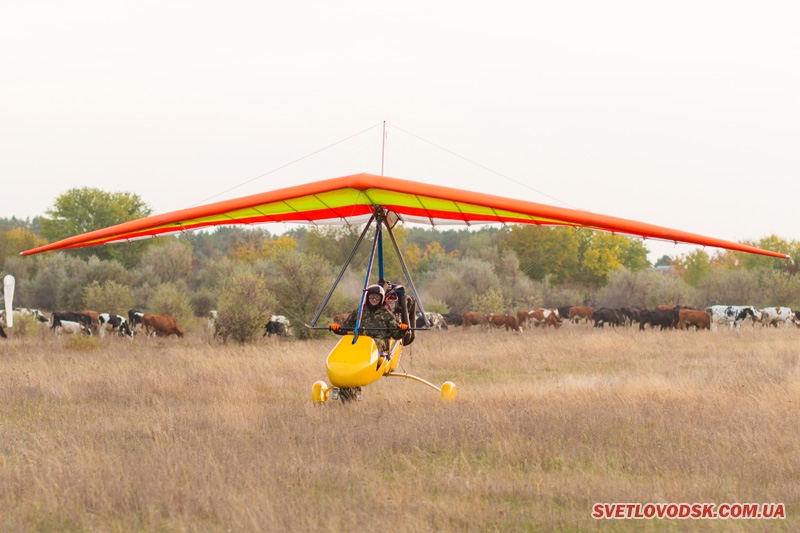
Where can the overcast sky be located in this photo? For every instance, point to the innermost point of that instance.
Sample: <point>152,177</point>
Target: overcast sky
<point>682,114</point>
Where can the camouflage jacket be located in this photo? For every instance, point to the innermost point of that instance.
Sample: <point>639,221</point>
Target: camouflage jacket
<point>380,318</point>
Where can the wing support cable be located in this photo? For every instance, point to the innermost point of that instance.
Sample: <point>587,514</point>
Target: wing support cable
<point>408,276</point>
<point>339,277</point>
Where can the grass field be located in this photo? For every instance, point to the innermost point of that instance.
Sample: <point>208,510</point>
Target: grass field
<point>187,435</point>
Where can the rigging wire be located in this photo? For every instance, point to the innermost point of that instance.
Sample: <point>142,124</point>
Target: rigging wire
<point>484,167</point>
<point>285,165</point>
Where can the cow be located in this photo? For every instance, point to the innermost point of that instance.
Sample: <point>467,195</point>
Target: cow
<point>500,320</point>
<point>661,318</point>
<point>3,333</point>
<point>277,325</point>
<point>578,312</point>
<point>95,319</point>
<point>606,315</point>
<point>117,324</point>
<point>70,327</point>
<point>454,319</point>
<point>35,313</point>
<point>632,314</point>
<point>563,311</point>
<point>436,320</point>
<point>548,317</point>
<point>135,320</point>
<point>778,316</point>
<point>161,325</point>
<point>21,313</point>
<point>693,317</point>
<point>733,315</point>
<point>473,319</point>
<point>59,316</point>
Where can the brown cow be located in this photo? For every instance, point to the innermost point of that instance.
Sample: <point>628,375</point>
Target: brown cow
<point>95,320</point>
<point>161,325</point>
<point>473,319</point>
<point>577,312</point>
<point>507,321</point>
<point>692,317</point>
<point>522,318</point>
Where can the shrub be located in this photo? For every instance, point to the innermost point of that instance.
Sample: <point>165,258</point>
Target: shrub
<point>25,326</point>
<point>244,306</point>
<point>108,297</point>
<point>172,299</point>
<point>491,301</point>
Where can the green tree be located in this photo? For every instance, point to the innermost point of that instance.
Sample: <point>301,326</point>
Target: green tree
<point>544,250</point>
<point>169,260</point>
<point>664,260</point>
<point>81,210</point>
<point>300,281</point>
<point>693,267</point>
<point>17,240</point>
<point>602,253</point>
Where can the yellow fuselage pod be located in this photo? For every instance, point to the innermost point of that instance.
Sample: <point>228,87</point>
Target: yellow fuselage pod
<point>356,365</point>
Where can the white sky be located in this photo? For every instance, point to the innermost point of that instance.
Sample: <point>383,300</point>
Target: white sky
<point>684,114</point>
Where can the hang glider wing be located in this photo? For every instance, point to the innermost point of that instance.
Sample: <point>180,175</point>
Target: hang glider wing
<point>352,199</point>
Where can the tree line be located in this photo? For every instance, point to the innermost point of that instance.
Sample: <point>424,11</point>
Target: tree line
<point>250,273</point>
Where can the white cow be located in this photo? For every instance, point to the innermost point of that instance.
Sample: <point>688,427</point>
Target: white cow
<point>777,316</point>
<point>67,327</point>
<point>733,315</point>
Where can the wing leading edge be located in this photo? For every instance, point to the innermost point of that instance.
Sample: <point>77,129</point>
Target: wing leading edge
<point>350,199</point>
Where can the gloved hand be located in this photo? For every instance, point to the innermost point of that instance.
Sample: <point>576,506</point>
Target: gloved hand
<point>335,327</point>
<point>404,327</point>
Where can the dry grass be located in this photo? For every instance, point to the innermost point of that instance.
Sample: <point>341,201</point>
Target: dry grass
<point>182,435</point>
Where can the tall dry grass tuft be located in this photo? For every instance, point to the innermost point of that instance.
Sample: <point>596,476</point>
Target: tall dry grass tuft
<point>181,434</point>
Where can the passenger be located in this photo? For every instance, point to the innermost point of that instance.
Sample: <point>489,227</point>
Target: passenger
<point>377,321</point>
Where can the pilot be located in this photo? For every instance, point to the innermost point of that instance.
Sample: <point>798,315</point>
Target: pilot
<point>375,316</point>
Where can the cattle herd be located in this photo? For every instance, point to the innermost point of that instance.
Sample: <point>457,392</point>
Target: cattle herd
<point>92,323</point>
<point>88,322</point>
<point>662,317</point>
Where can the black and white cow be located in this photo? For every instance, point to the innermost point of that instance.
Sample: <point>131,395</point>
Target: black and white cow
<point>733,315</point>
<point>277,325</point>
<point>60,316</point>
<point>114,324</point>
<point>135,321</point>
<point>35,313</point>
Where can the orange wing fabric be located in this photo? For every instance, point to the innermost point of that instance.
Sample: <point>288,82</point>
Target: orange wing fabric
<point>352,199</point>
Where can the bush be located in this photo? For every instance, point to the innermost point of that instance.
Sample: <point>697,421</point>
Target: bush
<point>491,301</point>
<point>108,297</point>
<point>172,299</point>
<point>244,306</point>
<point>25,326</point>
